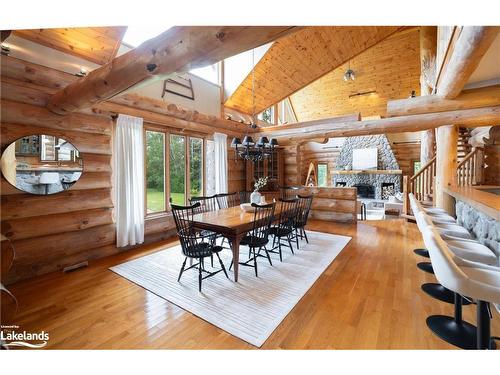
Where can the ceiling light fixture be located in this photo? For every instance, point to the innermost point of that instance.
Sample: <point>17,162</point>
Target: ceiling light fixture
<point>82,73</point>
<point>5,50</point>
<point>349,74</point>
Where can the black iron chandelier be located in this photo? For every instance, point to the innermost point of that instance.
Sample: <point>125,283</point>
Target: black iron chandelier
<point>248,149</point>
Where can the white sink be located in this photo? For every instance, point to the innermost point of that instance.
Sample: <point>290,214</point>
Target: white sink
<point>49,178</point>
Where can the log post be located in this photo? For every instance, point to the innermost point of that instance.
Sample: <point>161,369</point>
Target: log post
<point>428,45</point>
<point>446,166</point>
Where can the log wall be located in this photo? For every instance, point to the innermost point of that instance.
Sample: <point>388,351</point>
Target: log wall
<point>55,231</point>
<point>51,232</point>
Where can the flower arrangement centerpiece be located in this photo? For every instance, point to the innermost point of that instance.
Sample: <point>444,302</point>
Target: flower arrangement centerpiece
<point>255,197</point>
<point>260,183</point>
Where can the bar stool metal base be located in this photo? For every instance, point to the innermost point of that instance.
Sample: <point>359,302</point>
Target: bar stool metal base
<point>441,293</point>
<point>422,252</point>
<point>462,335</point>
<point>426,266</point>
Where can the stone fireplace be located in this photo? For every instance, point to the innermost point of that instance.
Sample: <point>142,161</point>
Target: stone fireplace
<point>385,181</point>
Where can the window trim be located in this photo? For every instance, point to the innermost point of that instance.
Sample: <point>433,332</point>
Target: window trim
<point>153,215</point>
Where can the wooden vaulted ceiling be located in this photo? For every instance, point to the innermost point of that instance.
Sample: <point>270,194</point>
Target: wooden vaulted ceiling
<point>299,59</point>
<point>95,44</point>
<point>391,68</point>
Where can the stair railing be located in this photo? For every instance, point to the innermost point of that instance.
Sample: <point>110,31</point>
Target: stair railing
<point>470,169</point>
<point>421,184</point>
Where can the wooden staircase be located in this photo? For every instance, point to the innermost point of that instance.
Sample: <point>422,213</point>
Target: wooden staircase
<point>463,147</point>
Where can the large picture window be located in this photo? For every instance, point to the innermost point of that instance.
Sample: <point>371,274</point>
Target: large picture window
<point>155,172</point>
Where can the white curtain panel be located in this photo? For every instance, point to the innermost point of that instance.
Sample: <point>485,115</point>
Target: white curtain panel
<point>129,180</point>
<point>220,141</point>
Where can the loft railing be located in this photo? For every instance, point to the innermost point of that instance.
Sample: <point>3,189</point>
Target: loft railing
<point>470,169</point>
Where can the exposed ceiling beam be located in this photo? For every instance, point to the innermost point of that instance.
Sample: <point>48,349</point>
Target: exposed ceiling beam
<point>474,98</point>
<point>178,49</point>
<point>464,57</point>
<point>329,128</point>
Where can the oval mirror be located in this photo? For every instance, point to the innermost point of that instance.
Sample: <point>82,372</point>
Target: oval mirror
<point>41,164</point>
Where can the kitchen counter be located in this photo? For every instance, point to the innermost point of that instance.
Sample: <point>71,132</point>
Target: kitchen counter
<point>475,196</point>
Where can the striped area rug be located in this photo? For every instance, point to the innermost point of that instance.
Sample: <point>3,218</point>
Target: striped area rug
<point>250,309</point>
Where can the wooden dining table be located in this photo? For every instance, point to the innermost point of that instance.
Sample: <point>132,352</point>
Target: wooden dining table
<point>233,223</point>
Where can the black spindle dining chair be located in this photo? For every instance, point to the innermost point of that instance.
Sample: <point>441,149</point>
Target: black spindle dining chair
<point>245,196</point>
<point>207,204</point>
<point>258,237</point>
<point>304,207</point>
<point>227,200</point>
<point>289,192</point>
<point>195,244</point>
<point>285,228</point>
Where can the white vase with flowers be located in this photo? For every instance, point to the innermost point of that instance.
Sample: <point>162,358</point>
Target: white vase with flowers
<point>255,197</point>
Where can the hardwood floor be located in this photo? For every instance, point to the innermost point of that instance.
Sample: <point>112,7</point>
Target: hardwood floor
<point>368,298</point>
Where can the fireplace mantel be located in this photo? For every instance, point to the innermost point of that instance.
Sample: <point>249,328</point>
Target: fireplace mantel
<point>369,171</point>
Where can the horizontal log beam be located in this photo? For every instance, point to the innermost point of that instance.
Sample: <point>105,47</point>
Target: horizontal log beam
<point>84,142</point>
<point>173,110</point>
<point>178,49</point>
<point>412,123</point>
<point>29,205</point>
<point>468,99</point>
<point>37,226</point>
<point>15,112</point>
<point>331,120</point>
<point>164,120</point>
<point>466,53</point>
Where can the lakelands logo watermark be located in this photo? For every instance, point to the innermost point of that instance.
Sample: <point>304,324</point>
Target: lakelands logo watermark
<point>11,337</point>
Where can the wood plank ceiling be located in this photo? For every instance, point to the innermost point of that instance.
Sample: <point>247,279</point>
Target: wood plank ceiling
<point>299,59</point>
<point>391,68</point>
<point>95,44</point>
